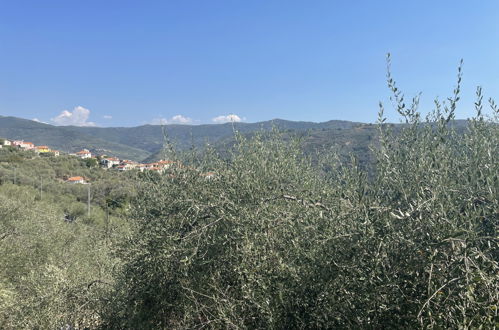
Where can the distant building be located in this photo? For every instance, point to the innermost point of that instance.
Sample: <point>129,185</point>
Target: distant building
<point>149,166</point>
<point>23,145</point>
<point>76,179</point>
<point>126,167</point>
<point>6,142</point>
<point>162,165</point>
<point>165,163</point>
<point>42,149</point>
<point>109,162</point>
<point>83,154</point>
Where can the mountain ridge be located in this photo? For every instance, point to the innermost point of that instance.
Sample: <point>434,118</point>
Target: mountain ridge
<point>140,142</point>
<point>145,142</point>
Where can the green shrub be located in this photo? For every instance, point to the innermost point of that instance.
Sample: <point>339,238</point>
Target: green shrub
<point>52,271</point>
<point>271,242</point>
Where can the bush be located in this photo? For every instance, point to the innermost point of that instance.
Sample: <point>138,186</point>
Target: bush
<point>52,271</point>
<point>271,242</point>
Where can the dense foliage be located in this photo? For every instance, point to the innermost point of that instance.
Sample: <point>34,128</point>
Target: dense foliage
<point>271,242</point>
<point>55,253</point>
<point>272,238</point>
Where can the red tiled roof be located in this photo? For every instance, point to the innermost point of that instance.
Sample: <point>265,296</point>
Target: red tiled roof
<point>75,178</point>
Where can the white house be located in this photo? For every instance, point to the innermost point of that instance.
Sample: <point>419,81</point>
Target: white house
<point>23,145</point>
<point>84,154</point>
<point>76,179</point>
<point>109,162</point>
<point>6,142</point>
<point>126,167</point>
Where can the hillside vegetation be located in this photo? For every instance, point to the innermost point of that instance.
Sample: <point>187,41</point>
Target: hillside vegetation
<point>274,239</point>
<point>272,243</point>
<point>53,249</point>
<point>145,143</point>
<point>64,138</point>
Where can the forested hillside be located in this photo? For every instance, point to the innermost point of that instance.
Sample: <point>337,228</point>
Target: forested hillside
<point>54,249</point>
<point>145,143</point>
<point>64,138</point>
<point>141,142</point>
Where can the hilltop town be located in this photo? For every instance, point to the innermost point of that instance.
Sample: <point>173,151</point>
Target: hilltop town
<point>103,161</point>
<point>24,145</point>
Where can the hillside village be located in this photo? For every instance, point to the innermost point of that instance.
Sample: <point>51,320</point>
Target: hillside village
<point>103,161</point>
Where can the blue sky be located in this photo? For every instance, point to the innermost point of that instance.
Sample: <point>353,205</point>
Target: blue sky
<point>126,63</point>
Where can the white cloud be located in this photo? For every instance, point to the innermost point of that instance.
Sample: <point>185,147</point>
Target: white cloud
<point>177,119</point>
<point>107,117</point>
<point>39,121</point>
<point>78,117</point>
<point>227,119</point>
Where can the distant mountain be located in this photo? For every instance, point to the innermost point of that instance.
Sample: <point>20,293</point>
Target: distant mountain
<point>146,142</point>
<point>64,138</point>
<point>342,136</point>
<point>151,138</point>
